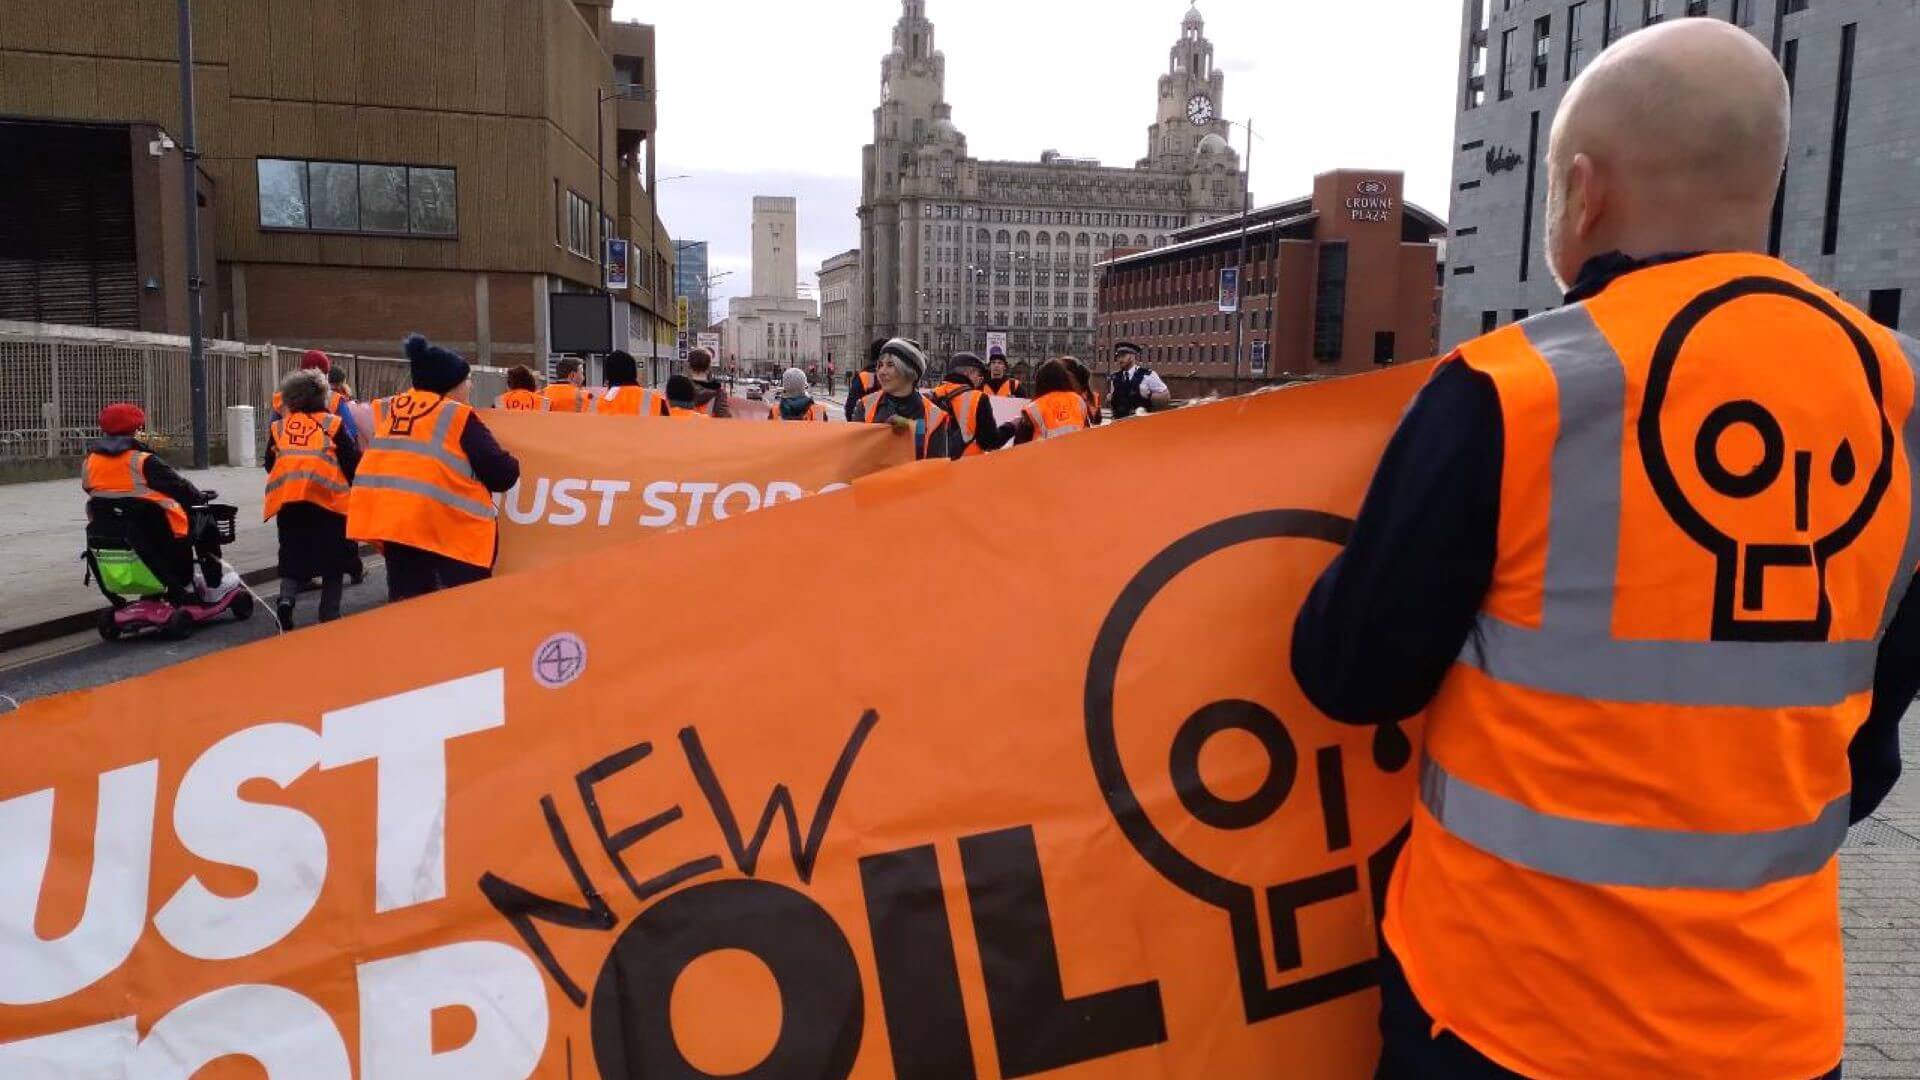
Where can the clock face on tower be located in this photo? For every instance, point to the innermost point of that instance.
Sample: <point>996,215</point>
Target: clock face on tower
<point>1200,110</point>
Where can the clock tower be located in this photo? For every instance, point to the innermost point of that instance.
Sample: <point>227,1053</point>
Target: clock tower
<point>1190,101</point>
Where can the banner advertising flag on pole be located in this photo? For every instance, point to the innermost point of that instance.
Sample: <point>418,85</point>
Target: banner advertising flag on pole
<point>619,253</point>
<point>1230,289</point>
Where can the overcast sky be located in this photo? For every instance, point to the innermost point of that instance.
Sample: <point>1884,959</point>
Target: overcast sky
<point>774,97</point>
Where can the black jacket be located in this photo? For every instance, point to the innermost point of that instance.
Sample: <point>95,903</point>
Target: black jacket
<point>944,443</point>
<point>1385,622</point>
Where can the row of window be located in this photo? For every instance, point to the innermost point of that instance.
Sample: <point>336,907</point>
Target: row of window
<point>1006,238</point>
<point>1193,324</point>
<point>1011,216</point>
<point>1574,53</point>
<point>1019,318</point>
<point>352,197</point>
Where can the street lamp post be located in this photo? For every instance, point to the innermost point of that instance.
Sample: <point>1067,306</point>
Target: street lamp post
<point>190,158</point>
<point>1240,293</point>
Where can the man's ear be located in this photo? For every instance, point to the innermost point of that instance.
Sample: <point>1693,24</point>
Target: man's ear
<point>1587,186</point>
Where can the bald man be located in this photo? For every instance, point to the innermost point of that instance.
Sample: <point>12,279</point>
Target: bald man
<point>1643,562</point>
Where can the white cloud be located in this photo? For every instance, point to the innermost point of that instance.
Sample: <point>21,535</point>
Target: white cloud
<point>769,97</point>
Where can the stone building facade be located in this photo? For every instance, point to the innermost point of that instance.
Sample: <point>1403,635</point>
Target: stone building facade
<point>953,247</point>
<point>839,276</point>
<point>1849,207</point>
<point>775,328</point>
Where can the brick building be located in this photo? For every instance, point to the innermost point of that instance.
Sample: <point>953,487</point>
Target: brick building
<point>364,171</point>
<point>1336,282</point>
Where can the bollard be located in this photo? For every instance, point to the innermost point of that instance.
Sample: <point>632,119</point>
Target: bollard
<point>240,437</point>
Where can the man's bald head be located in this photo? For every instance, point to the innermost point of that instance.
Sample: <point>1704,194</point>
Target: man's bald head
<point>1672,140</point>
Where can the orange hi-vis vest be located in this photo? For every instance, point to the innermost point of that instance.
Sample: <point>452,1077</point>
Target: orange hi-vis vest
<point>415,485</point>
<point>675,412</point>
<point>1009,387</point>
<point>565,397</point>
<point>124,476</point>
<point>963,403</point>
<point>631,401</point>
<point>1635,781</point>
<point>865,382</point>
<point>521,401</point>
<point>815,411</point>
<point>306,467</point>
<point>1062,412</point>
<point>931,420</point>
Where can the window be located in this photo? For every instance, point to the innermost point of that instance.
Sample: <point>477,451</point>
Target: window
<point>1526,206</point>
<point>341,196</point>
<point>1506,64</point>
<point>1883,307</point>
<point>1794,7</point>
<point>1469,185</point>
<point>1467,230</point>
<point>1383,347</point>
<point>1330,303</point>
<point>1789,63</point>
<point>1652,11</point>
<point>1609,22</point>
<point>1462,271</point>
<point>1837,155</point>
<point>1742,13</point>
<point>1696,8</point>
<point>1488,321</point>
<point>1542,50</point>
<point>1476,73</point>
<point>1576,25</point>
<point>579,225</point>
<point>1520,314</point>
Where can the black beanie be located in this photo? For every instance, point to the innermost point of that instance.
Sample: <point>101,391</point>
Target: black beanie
<point>435,370</point>
<point>966,360</point>
<point>622,369</point>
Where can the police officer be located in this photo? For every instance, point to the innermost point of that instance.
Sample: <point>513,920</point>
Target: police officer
<point>899,403</point>
<point>1636,558</point>
<point>1135,387</point>
<point>424,487</point>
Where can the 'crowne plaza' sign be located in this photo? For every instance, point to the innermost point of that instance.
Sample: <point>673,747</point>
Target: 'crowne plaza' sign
<point>1371,201</point>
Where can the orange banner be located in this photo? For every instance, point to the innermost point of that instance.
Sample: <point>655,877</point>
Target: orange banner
<point>589,481</point>
<point>647,813</point>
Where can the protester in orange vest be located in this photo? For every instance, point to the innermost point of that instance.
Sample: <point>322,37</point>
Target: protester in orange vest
<point>899,403</point>
<point>424,487</point>
<point>337,401</point>
<point>866,380</point>
<point>310,462</point>
<point>710,397</point>
<point>523,392</point>
<point>1084,385</point>
<point>1644,560</point>
<point>121,466</point>
<point>681,393</point>
<point>796,399</point>
<point>999,383</point>
<point>624,395</point>
<point>566,392</point>
<point>970,406</point>
<point>1059,407</point>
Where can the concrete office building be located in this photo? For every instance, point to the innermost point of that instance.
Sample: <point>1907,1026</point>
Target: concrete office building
<point>690,281</point>
<point>1849,209</point>
<point>839,276</point>
<point>1337,283</point>
<point>953,247</point>
<point>775,328</point>
<point>366,169</point>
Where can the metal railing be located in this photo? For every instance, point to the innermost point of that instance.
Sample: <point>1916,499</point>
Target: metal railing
<point>54,380</point>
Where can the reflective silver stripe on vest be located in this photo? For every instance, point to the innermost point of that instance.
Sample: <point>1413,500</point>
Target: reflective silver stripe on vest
<point>435,448</point>
<point>136,471</point>
<point>306,478</point>
<point>427,491</point>
<point>1574,651</point>
<point>1598,853</point>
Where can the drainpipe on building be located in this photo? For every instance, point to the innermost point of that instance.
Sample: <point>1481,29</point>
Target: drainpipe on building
<point>190,159</point>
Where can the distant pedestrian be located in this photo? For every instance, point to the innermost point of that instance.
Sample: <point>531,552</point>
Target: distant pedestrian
<point>625,396</point>
<point>424,488</point>
<point>523,392</point>
<point>682,392</point>
<point>999,382</point>
<point>1135,387</point>
<point>310,461</point>
<point>710,395</point>
<point>315,360</point>
<point>796,399</point>
<point>898,402</point>
<point>337,382</point>
<point>567,392</point>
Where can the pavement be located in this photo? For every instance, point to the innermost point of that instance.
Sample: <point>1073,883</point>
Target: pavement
<point>43,530</point>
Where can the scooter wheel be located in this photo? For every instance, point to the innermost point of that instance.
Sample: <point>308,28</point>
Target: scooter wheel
<point>108,626</point>
<point>242,607</point>
<point>179,627</point>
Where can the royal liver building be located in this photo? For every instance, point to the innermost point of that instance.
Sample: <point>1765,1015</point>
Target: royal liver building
<point>952,248</point>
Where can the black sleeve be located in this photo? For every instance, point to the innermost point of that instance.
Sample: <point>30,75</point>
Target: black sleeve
<point>1387,619</point>
<point>1875,753</point>
<point>988,432</point>
<point>162,478</point>
<point>267,460</point>
<point>496,469</point>
<point>853,401</point>
<point>347,449</point>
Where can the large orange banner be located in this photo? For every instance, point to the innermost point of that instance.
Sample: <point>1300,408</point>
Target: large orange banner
<point>589,481</point>
<point>591,821</point>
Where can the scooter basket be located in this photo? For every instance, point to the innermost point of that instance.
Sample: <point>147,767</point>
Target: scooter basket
<point>221,523</point>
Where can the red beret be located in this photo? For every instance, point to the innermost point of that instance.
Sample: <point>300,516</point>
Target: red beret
<point>122,419</point>
<point>315,360</point>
